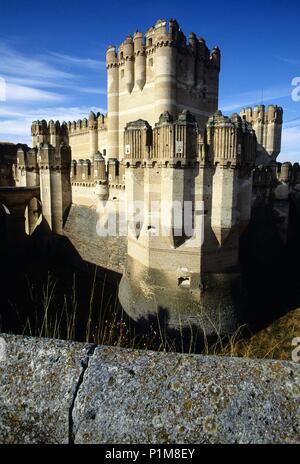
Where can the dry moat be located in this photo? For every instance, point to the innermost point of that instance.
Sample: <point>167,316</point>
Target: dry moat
<point>49,290</point>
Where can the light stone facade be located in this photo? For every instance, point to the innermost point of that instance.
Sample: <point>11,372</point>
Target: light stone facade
<point>190,277</point>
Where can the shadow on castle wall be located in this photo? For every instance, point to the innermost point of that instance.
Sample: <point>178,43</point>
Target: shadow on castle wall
<point>49,262</point>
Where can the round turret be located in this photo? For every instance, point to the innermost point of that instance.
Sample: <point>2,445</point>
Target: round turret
<point>111,56</point>
<point>193,40</point>
<point>138,41</point>
<point>216,57</point>
<point>285,171</point>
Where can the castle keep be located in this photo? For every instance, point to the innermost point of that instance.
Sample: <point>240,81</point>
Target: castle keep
<point>165,147</point>
<point>156,73</point>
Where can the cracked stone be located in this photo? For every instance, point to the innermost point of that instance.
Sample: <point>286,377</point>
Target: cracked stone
<point>53,391</point>
<point>38,382</point>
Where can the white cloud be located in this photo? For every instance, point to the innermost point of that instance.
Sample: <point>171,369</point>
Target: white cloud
<point>287,60</point>
<point>31,82</point>
<point>82,62</point>
<point>38,87</point>
<point>16,126</point>
<point>92,90</point>
<point>241,100</point>
<point>22,93</point>
<point>16,64</point>
<point>290,149</point>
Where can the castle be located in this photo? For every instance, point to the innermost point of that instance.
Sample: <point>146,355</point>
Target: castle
<point>164,142</point>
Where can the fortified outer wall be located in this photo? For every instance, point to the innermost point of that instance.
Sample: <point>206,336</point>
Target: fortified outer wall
<point>85,137</point>
<point>79,393</point>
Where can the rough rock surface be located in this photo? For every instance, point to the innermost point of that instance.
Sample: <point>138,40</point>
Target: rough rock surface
<point>38,382</point>
<point>147,397</point>
<point>53,391</point>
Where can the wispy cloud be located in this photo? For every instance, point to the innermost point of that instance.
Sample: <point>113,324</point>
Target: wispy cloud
<point>290,149</point>
<point>238,101</point>
<point>47,86</point>
<point>92,90</point>
<point>37,77</point>
<point>22,93</point>
<point>32,82</point>
<point>15,125</point>
<point>17,64</point>
<point>78,61</point>
<point>284,59</point>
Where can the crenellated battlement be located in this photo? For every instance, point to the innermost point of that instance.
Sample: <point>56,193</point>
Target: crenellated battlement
<point>42,129</point>
<point>227,141</point>
<point>277,173</point>
<point>273,113</point>
<point>231,141</point>
<point>168,143</point>
<point>49,157</point>
<point>159,36</point>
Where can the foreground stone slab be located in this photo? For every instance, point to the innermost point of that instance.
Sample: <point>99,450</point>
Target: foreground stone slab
<point>54,391</point>
<point>38,382</point>
<point>146,397</point>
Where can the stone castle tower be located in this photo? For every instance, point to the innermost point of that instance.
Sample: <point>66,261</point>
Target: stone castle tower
<point>56,197</point>
<point>156,73</point>
<point>28,176</point>
<point>268,128</point>
<point>48,167</point>
<point>189,274</point>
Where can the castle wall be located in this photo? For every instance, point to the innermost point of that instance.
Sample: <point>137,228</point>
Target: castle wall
<point>85,137</point>
<point>80,145</point>
<point>84,143</point>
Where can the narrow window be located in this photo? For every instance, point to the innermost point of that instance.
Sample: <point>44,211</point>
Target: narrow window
<point>184,282</point>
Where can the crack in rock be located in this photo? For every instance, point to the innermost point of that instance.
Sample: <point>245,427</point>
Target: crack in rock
<point>85,365</point>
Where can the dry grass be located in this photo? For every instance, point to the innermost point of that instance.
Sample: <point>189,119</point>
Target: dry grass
<point>109,326</point>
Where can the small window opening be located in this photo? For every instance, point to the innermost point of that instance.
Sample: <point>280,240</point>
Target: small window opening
<point>184,282</point>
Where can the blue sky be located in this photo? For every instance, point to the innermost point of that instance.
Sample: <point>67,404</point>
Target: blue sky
<point>52,55</point>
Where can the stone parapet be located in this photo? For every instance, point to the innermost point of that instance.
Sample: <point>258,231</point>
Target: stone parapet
<point>54,391</point>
